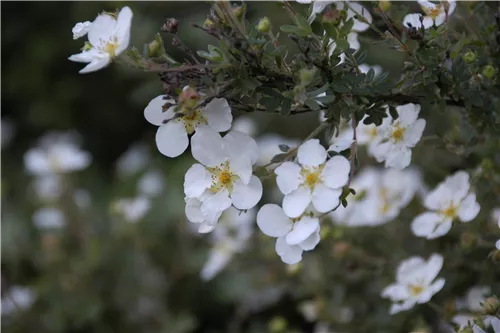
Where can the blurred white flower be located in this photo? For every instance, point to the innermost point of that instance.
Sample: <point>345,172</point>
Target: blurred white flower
<point>151,183</point>
<point>54,156</point>
<point>172,134</point>
<point>132,209</point>
<point>450,201</point>
<point>81,29</point>
<point>312,179</point>
<point>17,298</point>
<point>358,26</point>
<point>47,218</point>
<point>365,68</point>
<point>223,178</point>
<point>82,198</point>
<point>108,37</point>
<point>293,235</point>
<point>495,323</point>
<point>133,160</point>
<point>268,147</point>
<point>415,283</point>
<point>245,124</point>
<point>48,187</point>
<point>7,132</point>
<point>413,21</point>
<point>230,237</point>
<point>470,304</point>
<point>399,137</point>
<point>380,196</point>
<point>436,12</point>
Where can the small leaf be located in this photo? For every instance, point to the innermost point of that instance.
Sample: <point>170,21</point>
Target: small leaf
<point>302,23</point>
<point>278,158</point>
<point>286,107</point>
<point>284,148</point>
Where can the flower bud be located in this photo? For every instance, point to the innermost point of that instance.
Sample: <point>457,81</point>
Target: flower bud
<point>171,25</point>
<point>208,24</point>
<point>469,57</point>
<point>491,306</point>
<point>154,49</point>
<point>306,76</point>
<point>384,5</point>
<point>189,97</point>
<point>277,325</point>
<point>87,46</point>
<point>239,11</point>
<point>331,16</point>
<point>264,25</point>
<point>489,71</point>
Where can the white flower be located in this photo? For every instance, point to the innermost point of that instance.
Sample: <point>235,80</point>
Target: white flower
<point>133,160</point>
<point>342,141</point>
<point>48,187</point>
<point>415,283</point>
<point>230,237</point>
<point>293,235</point>
<point>495,323</point>
<point>172,135</point>
<point>223,178</point>
<point>413,21</point>
<point>399,136</point>
<point>81,29</point>
<point>7,132</point>
<point>17,298</point>
<point>451,200</point>
<point>380,196</point>
<point>55,157</point>
<point>49,218</point>
<point>365,68</point>
<point>436,12</point>
<point>312,179</point>
<point>108,38</point>
<point>268,147</point>
<point>132,209</point>
<point>471,303</point>
<point>358,26</point>
<point>151,183</point>
<point>372,135</point>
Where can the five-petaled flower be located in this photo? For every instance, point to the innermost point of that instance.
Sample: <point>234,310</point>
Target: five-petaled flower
<point>174,127</point>
<point>223,178</point>
<point>294,235</point>
<point>415,283</point>
<point>312,179</point>
<point>451,200</point>
<point>108,37</point>
<point>399,136</point>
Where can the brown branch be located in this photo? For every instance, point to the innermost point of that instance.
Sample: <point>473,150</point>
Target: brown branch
<point>354,149</point>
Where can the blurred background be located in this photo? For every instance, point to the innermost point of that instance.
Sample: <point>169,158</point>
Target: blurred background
<point>107,248</point>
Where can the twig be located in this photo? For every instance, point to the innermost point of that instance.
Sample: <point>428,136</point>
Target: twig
<point>354,148</point>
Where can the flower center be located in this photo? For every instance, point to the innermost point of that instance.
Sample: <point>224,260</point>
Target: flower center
<point>397,133</point>
<point>222,177</point>
<point>111,47</point>
<point>372,132</point>
<point>192,120</point>
<point>311,176</point>
<point>433,12</point>
<point>415,289</point>
<point>450,212</point>
<point>386,206</point>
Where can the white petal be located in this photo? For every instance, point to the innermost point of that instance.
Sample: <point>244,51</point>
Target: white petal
<point>154,110</point>
<point>240,145</point>
<point>95,65</point>
<point>477,329</point>
<point>311,153</point>
<point>324,198</point>
<point>424,224</point>
<point>441,230</point>
<point>396,307</point>
<point>428,22</point>
<point>288,254</point>
<point>296,202</point>
<point>246,196</point>
<point>49,218</point>
<point>341,144</point>
<point>458,184</point>
<point>497,244</point>
<point>272,221</point>
<point>122,32</point>
<point>214,205</point>
<point>193,211</point>
<point>440,198</point>
<point>288,177</point>
<point>408,113</point>
<point>242,167</point>
<point>311,241</point>
<point>395,292</point>
<point>301,230</point>
<point>218,114</point>
<point>495,323</point>
<point>469,208</point>
<point>380,150</point>
<point>398,158</point>
<point>413,133</point>
<point>426,5</point>
<point>207,147</point>
<point>439,19</point>
<point>408,268</point>
<point>412,20</point>
<point>335,174</point>
<point>171,138</point>
<point>434,265</point>
<point>437,286</point>
<point>36,162</point>
<point>196,181</point>
<point>217,260</point>
<point>102,29</point>
<point>83,57</point>
<point>206,227</point>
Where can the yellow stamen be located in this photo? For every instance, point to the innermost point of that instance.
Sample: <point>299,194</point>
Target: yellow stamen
<point>111,48</point>
<point>416,290</point>
<point>398,133</point>
<point>311,176</point>
<point>450,212</point>
<point>192,120</point>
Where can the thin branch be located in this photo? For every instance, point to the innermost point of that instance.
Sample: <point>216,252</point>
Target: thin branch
<point>354,148</point>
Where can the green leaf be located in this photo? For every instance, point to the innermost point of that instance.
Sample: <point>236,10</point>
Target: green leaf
<point>278,158</point>
<point>271,104</point>
<point>326,99</point>
<point>331,31</point>
<point>312,104</point>
<point>370,75</point>
<point>393,112</point>
<point>318,91</point>
<point>342,44</point>
<point>286,106</point>
<point>290,28</point>
<point>347,27</point>
<point>302,23</point>
<point>284,148</point>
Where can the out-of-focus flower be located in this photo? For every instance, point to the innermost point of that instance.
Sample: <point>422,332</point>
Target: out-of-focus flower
<point>49,218</point>
<point>151,183</point>
<point>17,298</point>
<point>81,29</point>
<point>245,124</point>
<point>451,200</point>
<point>268,147</point>
<point>415,283</point>
<point>133,160</point>
<point>7,132</point>
<point>132,209</point>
